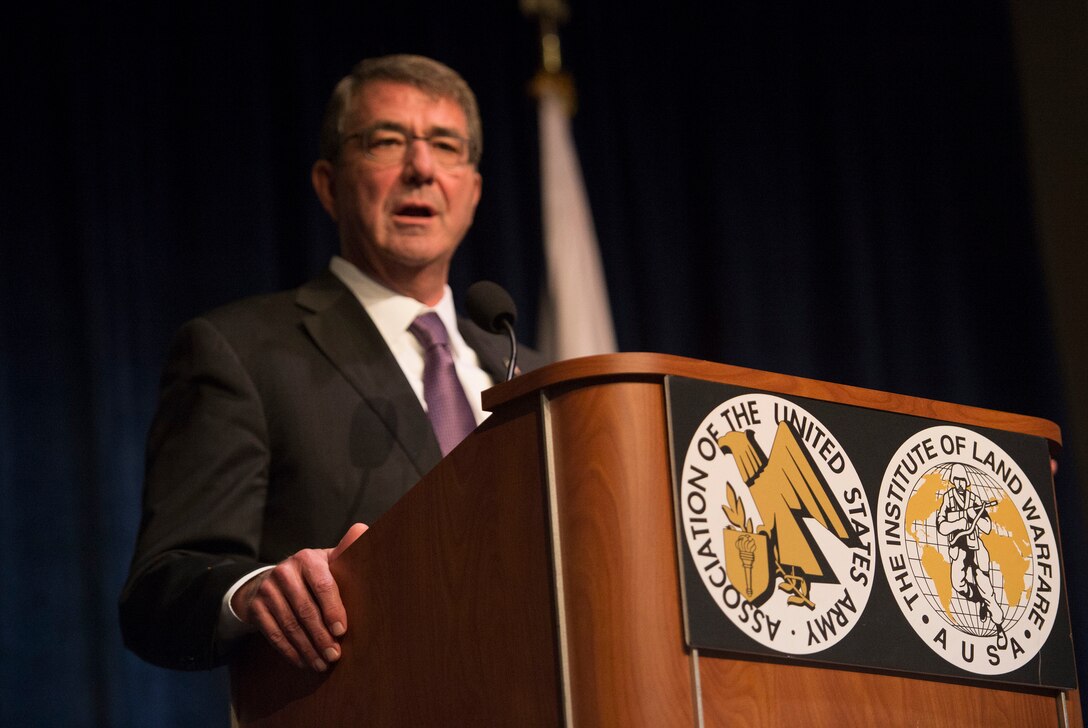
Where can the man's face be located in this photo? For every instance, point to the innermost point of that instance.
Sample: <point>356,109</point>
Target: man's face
<point>960,483</point>
<point>400,222</point>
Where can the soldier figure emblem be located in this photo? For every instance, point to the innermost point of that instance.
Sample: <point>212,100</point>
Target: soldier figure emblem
<point>961,519</point>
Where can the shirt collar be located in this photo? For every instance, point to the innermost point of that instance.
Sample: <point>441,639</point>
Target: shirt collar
<point>392,312</point>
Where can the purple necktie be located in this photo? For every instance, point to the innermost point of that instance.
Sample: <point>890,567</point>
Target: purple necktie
<point>447,406</point>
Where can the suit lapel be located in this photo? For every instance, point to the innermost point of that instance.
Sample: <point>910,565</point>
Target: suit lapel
<point>340,327</point>
<point>492,350</point>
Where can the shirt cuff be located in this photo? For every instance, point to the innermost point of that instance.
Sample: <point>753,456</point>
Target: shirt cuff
<point>231,625</point>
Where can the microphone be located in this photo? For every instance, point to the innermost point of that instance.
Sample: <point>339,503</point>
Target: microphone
<point>491,308</point>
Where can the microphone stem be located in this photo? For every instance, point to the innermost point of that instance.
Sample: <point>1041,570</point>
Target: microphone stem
<point>513,348</point>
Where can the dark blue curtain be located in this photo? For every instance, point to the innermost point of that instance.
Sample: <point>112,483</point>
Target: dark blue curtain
<point>799,188</point>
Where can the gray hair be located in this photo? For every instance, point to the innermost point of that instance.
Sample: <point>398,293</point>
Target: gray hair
<point>424,73</point>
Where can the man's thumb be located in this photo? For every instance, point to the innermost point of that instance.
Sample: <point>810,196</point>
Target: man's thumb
<point>356,530</point>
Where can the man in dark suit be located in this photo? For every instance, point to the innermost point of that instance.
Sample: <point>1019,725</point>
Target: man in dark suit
<point>288,421</point>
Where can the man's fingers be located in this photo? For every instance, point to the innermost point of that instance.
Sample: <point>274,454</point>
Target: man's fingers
<point>298,617</point>
<point>273,615</point>
<point>330,609</point>
<point>264,620</point>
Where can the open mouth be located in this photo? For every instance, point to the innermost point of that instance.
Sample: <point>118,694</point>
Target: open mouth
<point>414,210</point>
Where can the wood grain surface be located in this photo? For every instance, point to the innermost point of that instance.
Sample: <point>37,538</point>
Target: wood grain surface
<point>450,610</point>
<point>621,578</point>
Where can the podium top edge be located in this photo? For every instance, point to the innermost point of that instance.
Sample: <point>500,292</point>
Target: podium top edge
<point>644,366</point>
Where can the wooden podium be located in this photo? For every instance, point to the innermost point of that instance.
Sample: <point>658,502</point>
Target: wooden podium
<point>532,579</point>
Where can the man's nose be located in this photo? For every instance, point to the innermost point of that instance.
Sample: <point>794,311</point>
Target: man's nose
<point>419,163</point>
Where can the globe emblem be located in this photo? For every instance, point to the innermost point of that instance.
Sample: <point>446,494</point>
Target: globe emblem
<point>1007,547</point>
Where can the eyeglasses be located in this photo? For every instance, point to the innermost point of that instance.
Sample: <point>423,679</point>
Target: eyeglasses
<point>388,145</point>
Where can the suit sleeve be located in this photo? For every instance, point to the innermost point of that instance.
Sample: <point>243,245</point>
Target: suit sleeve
<point>204,494</point>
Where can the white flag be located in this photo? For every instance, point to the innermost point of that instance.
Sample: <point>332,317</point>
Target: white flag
<point>575,318</point>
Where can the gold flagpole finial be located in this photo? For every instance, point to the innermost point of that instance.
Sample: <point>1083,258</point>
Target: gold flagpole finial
<point>551,77</point>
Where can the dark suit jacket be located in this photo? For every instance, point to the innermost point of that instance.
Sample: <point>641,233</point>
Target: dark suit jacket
<point>282,420</point>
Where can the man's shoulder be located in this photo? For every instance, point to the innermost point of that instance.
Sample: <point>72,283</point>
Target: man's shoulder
<point>277,308</point>
<point>257,306</point>
<point>262,321</point>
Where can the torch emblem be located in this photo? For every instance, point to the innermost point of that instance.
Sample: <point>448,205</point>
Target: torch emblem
<point>747,556</point>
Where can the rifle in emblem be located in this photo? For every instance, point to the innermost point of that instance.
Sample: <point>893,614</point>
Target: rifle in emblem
<point>977,510</point>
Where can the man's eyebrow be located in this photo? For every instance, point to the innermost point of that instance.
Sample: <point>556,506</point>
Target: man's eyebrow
<point>388,126</point>
<point>430,132</point>
<point>445,131</point>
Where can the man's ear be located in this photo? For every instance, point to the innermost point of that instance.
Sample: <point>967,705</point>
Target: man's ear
<point>323,178</point>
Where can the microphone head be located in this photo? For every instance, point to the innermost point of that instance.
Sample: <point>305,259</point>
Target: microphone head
<point>488,304</point>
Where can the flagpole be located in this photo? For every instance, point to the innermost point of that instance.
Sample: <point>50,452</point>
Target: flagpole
<point>575,316</point>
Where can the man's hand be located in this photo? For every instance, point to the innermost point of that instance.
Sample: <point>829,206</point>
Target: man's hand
<point>297,605</point>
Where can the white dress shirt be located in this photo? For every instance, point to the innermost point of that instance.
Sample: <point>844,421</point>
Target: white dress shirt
<point>393,313</point>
